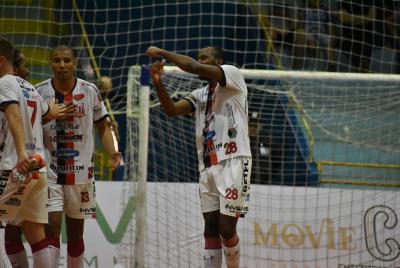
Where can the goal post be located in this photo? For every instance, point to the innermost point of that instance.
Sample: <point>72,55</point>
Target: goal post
<point>302,209</point>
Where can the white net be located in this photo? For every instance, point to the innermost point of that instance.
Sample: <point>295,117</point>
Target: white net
<point>304,133</point>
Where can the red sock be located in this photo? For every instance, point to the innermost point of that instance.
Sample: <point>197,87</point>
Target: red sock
<point>39,245</point>
<point>212,243</point>
<point>54,241</point>
<point>13,247</point>
<point>76,248</point>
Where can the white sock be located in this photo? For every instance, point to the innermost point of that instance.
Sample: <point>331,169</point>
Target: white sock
<point>19,260</point>
<point>75,262</point>
<point>42,258</point>
<point>212,258</point>
<point>55,256</point>
<point>232,256</point>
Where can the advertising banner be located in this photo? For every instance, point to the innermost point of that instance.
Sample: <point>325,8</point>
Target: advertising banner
<point>287,227</point>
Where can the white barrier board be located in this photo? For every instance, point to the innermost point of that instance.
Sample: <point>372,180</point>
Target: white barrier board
<point>287,227</point>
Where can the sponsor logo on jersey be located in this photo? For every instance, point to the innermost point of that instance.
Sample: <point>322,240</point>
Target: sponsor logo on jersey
<point>80,111</point>
<point>87,211</point>
<point>245,176</point>
<point>30,146</point>
<point>66,153</point>
<point>26,94</point>
<point>64,126</point>
<point>232,133</point>
<point>210,134</point>
<point>233,208</point>
<point>70,168</point>
<point>67,137</point>
<point>79,96</point>
<point>96,109</point>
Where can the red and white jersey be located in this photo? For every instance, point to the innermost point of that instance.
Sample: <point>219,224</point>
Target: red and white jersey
<point>14,89</point>
<point>222,119</point>
<point>70,142</point>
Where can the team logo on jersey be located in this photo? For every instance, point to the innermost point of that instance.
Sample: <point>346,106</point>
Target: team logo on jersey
<point>232,132</point>
<point>66,153</point>
<point>80,111</point>
<point>79,96</point>
<point>210,134</point>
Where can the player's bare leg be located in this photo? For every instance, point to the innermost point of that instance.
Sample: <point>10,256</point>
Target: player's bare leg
<point>75,243</point>
<point>14,246</point>
<point>212,247</point>
<point>53,231</point>
<point>230,240</point>
<point>35,235</point>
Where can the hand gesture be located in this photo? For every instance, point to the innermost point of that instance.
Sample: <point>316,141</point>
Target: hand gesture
<point>153,51</point>
<point>156,71</point>
<point>24,164</point>
<point>115,160</point>
<point>61,111</point>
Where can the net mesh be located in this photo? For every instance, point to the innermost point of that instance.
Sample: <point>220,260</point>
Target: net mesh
<point>303,133</point>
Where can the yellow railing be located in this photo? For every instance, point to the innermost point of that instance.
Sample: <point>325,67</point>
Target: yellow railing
<point>320,165</point>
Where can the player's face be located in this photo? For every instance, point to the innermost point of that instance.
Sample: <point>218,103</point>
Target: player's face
<point>63,64</point>
<point>206,56</point>
<point>22,69</point>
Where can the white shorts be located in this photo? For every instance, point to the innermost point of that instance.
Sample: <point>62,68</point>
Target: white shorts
<point>77,201</point>
<point>28,203</point>
<point>226,187</point>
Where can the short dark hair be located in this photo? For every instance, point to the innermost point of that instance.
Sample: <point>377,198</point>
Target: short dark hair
<point>6,49</point>
<point>218,53</point>
<point>62,47</point>
<point>17,57</point>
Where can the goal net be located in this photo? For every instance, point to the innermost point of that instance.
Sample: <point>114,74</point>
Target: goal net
<point>325,149</point>
<point>312,135</point>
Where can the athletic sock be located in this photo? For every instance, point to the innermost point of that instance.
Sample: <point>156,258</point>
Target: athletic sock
<point>16,254</point>
<point>212,252</point>
<point>75,254</point>
<point>41,254</point>
<point>231,251</point>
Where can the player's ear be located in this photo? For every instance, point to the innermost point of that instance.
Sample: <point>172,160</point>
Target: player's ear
<point>220,61</point>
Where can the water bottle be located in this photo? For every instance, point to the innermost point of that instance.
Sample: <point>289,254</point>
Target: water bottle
<point>17,177</point>
<point>37,162</point>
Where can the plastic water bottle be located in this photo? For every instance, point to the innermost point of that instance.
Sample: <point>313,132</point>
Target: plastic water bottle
<point>37,163</point>
<point>17,177</point>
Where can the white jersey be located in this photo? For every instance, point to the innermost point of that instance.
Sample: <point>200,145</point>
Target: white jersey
<point>222,128</point>
<point>14,89</point>
<point>70,142</point>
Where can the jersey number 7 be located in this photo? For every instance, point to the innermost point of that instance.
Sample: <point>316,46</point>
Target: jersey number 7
<point>33,104</point>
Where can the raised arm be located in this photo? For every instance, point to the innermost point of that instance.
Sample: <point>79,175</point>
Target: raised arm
<point>188,64</point>
<point>171,107</point>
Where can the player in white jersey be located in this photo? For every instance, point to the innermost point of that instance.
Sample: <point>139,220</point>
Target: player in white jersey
<point>22,135</point>
<point>70,150</point>
<point>222,141</point>
<point>12,237</point>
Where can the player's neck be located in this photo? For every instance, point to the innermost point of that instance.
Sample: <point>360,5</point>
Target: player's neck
<point>64,86</point>
<point>6,70</point>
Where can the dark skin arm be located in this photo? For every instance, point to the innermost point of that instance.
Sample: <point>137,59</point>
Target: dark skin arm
<point>187,64</point>
<point>181,107</point>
